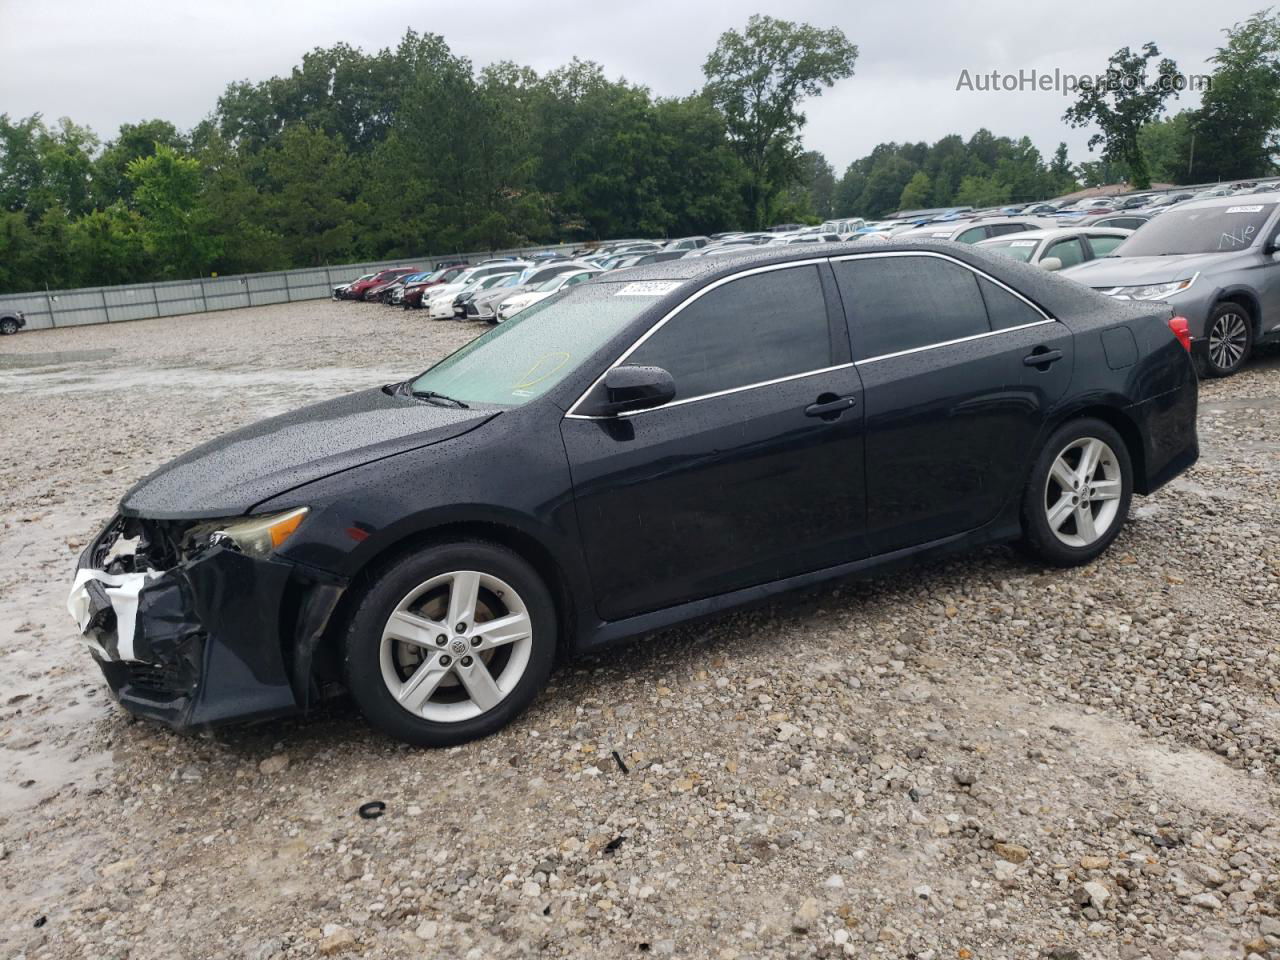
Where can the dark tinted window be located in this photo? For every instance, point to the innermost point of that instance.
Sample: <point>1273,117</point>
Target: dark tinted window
<point>758,328</point>
<point>1004,309</point>
<point>900,303</point>
<point>1000,229</point>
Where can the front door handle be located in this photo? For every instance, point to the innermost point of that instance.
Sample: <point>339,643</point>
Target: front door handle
<point>829,406</point>
<point>1040,357</point>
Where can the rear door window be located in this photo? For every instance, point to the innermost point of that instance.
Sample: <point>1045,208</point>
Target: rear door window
<point>901,303</point>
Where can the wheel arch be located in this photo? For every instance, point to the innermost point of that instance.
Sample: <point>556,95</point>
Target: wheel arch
<point>1242,297</point>
<point>520,542</point>
<point>1124,425</point>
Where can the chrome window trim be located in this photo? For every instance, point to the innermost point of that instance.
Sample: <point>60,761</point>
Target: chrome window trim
<point>696,295</point>
<point>573,415</point>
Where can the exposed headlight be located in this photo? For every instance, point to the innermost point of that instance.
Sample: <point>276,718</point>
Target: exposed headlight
<point>257,536</point>
<point>1150,291</point>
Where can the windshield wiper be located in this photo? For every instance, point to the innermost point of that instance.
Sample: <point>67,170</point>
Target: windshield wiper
<point>432,397</point>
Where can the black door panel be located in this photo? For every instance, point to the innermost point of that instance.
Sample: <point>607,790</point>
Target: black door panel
<point>697,499</point>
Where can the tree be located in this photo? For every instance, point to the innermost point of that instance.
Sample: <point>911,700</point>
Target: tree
<point>167,191</point>
<point>757,79</point>
<point>1235,127</point>
<point>915,195</point>
<point>1060,173</point>
<point>110,179</point>
<point>1121,105</point>
<point>313,183</point>
<point>1166,144</point>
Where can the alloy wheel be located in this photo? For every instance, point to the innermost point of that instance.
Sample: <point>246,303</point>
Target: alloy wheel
<point>1228,340</point>
<point>1083,491</point>
<point>456,646</point>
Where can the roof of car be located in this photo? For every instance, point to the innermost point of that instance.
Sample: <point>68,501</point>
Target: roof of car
<point>1054,293</point>
<point>1056,232</point>
<point>1234,200</point>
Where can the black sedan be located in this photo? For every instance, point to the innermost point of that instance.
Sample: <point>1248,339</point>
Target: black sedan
<point>652,446</point>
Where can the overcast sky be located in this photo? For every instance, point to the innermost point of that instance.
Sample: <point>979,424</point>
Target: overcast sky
<point>104,62</point>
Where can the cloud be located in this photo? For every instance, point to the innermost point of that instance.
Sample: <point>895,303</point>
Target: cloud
<point>105,62</point>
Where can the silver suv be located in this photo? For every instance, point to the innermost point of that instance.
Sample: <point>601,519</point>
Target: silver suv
<point>1216,262</point>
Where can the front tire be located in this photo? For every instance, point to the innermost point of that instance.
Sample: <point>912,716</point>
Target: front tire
<point>1229,331</point>
<point>1077,497</point>
<point>450,644</point>
<point>8,326</point>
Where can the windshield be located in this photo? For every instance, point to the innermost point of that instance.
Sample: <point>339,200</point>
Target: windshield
<point>537,348</point>
<point>1018,249</point>
<point>1216,229</point>
<point>549,286</point>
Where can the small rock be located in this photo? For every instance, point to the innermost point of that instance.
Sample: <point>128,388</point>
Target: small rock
<point>427,930</point>
<point>275,764</point>
<point>965,778</point>
<point>1095,863</point>
<point>338,941</point>
<point>1206,900</point>
<point>1011,852</point>
<point>807,915</point>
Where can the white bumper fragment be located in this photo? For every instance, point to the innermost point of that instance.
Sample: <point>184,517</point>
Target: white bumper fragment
<point>122,590</point>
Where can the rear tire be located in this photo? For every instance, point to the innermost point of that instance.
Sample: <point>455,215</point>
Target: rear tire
<point>450,644</point>
<point>8,326</point>
<point>1077,497</point>
<point>1229,331</point>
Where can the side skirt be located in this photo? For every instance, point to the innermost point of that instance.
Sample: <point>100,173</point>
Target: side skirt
<point>602,634</point>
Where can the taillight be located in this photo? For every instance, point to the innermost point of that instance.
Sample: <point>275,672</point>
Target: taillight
<point>1182,330</point>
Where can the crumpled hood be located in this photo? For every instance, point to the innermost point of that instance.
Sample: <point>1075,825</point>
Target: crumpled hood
<point>230,475</point>
<point>1133,271</point>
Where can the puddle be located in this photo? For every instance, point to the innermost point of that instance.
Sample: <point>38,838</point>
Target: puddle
<point>53,357</point>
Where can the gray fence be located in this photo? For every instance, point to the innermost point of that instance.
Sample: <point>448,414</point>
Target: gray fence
<point>68,308</point>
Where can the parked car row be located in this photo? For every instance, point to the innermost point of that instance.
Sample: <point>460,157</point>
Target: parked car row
<point>1214,256</point>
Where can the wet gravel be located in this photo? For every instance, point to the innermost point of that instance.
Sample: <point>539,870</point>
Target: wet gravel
<point>977,759</point>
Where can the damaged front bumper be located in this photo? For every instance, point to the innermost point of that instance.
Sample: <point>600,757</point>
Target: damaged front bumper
<point>204,639</point>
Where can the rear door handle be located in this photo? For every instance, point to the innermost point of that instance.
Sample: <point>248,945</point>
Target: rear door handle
<point>830,409</point>
<point>1042,358</point>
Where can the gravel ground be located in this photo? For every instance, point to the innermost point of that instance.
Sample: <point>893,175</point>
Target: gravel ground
<point>978,759</point>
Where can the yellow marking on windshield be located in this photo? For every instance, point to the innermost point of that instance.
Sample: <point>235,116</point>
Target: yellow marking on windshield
<point>526,382</point>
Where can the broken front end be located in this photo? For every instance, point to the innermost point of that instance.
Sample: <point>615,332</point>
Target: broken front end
<point>200,623</point>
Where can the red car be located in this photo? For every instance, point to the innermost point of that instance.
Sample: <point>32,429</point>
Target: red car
<point>412,296</point>
<point>357,290</point>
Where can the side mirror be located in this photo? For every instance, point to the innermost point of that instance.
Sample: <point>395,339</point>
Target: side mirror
<point>630,388</point>
<point>1051,263</point>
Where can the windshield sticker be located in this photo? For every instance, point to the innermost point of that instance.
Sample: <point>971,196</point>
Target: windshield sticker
<point>1237,238</point>
<point>1251,208</point>
<point>647,288</point>
<point>1024,243</point>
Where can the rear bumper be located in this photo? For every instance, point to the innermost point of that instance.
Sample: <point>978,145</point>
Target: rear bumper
<point>1167,425</point>
<point>221,637</point>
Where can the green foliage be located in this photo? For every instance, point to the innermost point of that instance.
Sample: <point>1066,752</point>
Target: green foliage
<point>1235,127</point>
<point>1167,145</point>
<point>916,194</point>
<point>984,171</point>
<point>167,192</point>
<point>1122,106</point>
<point>758,78</point>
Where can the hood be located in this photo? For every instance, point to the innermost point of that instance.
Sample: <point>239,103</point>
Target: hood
<point>230,475</point>
<point>1132,271</point>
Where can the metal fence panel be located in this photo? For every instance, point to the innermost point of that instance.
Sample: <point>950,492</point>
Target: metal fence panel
<point>64,308</point>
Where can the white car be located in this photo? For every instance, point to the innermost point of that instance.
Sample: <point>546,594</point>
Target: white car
<point>1055,249</point>
<point>514,304</point>
<point>439,304</point>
